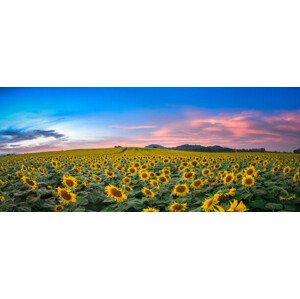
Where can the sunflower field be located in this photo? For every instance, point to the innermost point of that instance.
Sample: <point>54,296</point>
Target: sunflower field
<point>149,180</point>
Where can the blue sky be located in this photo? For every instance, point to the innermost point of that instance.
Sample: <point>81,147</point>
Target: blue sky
<point>34,119</point>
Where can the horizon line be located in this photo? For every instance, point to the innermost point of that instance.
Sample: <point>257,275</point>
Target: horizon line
<point>143,147</point>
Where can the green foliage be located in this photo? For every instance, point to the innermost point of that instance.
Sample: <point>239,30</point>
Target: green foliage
<point>272,191</point>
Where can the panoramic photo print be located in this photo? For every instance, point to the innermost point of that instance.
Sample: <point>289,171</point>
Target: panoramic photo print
<point>149,149</point>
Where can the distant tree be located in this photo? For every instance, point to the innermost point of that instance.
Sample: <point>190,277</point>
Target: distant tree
<point>297,151</point>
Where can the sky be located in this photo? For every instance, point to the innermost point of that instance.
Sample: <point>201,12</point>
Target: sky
<point>45,119</point>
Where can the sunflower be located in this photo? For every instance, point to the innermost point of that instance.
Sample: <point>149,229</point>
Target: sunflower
<point>296,177</point>
<point>236,167</point>
<point>29,182</point>
<point>231,192</point>
<point>210,203</point>
<point>42,170</point>
<point>109,173</point>
<point>250,170</point>
<point>154,183</point>
<point>54,163</point>
<point>177,207</point>
<point>181,167</point>
<point>144,175</point>
<point>2,198</point>
<point>286,170</point>
<point>275,169</point>
<point>69,181</point>
<point>239,175</point>
<point>228,179</point>
<point>19,174</point>
<point>197,184</point>
<point>166,171</point>
<point>187,176</point>
<point>58,208</point>
<point>2,182</point>
<point>149,209</point>
<point>76,169</point>
<point>205,172</point>
<point>97,178</point>
<point>248,181</point>
<point>292,197</point>
<point>116,193</point>
<point>66,196</point>
<point>212,180</point>
<point>136,164</point>
<point>132,170</point>
<point>148,193</point>
<point>162,179</point>
<point>218,166</point>
<point>236,206</point>
<point>180,190</point>
<point>127,188</point>
<point>126,180</point>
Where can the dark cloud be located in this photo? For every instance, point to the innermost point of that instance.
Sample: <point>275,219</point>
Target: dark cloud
<point>13,135</point>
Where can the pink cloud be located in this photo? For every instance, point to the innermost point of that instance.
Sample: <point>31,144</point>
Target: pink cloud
<point>244,129</point>
<point>247,129</point>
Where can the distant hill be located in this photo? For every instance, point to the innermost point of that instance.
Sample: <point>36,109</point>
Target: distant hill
<point>154,146</point>
<point>212,149</point>
<point>297,151</point>
<point>200,148</point>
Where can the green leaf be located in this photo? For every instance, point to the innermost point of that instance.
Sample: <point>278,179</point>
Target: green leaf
<point>79,209</point>
<point>82,201</point>
<point>274,206</point>
<point>257,204</point>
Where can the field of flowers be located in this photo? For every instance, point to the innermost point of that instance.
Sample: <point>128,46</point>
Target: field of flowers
<point>149,180</point>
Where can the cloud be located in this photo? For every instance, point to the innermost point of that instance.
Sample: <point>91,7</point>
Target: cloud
<point>21,138</point>
<point>15,135</point>
<point>244,129</point>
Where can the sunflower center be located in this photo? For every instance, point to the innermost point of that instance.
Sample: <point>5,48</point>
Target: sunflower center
<point>228,178</point>
<point>180,189</point>
<point>177,207</point>
<point>70,183</point>
<point>248,181</point>
<point>29,182</point>
<point>65,195</point>
<point>115,192</point>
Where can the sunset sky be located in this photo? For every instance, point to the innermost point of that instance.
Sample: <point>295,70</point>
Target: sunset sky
<point>41,119</point>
